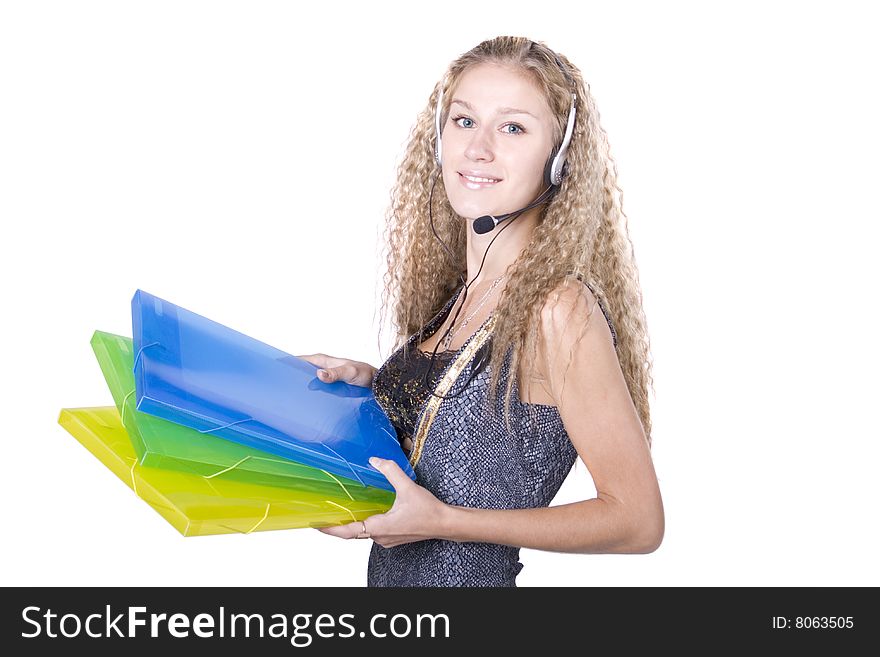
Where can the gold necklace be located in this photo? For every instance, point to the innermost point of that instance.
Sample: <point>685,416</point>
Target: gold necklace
<point>452,331</point>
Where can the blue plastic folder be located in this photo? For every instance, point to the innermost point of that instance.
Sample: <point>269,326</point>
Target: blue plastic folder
<point>193,371</point>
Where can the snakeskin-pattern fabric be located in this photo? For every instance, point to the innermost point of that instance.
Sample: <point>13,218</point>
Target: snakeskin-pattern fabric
<point>469,458</point>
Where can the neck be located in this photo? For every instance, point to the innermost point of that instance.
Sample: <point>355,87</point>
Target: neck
<point>510,238</point>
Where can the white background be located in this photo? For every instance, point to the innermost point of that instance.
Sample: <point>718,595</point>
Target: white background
<point>236,159</point>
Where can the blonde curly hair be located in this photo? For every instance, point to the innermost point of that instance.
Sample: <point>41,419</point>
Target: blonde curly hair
<point>582,231</point>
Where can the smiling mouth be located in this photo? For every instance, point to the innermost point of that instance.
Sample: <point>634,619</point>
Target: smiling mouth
<point>476,182</point>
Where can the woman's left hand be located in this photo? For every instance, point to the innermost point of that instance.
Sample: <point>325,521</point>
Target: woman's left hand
<point>416,514</point>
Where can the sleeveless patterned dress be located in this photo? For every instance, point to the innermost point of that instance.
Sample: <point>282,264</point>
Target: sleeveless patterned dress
<point>469,458</point>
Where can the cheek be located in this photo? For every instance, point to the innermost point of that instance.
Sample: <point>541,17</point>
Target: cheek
<point>531,171</point>
<point>450,178</point>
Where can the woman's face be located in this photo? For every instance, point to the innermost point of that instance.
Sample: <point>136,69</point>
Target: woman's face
<point>499,128</point>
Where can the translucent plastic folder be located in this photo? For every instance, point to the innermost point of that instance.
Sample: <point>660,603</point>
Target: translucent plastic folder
<point>201,374</point>
<point>164,444</point>
<point>195,505</point>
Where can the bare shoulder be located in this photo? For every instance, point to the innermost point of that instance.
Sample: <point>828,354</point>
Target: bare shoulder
<point>569,293</point>
<point>566,332</point>
<point>569,312</point>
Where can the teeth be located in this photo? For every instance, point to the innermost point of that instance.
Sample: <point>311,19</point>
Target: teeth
<point>480,180</point>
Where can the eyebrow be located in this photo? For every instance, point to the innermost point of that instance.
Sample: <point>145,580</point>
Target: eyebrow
<point>501,110</point>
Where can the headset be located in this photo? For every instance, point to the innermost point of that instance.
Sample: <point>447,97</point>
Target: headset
<point>554,172</point>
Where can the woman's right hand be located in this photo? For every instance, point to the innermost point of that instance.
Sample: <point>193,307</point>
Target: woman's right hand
<point>333,369</point>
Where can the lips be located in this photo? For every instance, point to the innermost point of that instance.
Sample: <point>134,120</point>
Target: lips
<point>473,181</point>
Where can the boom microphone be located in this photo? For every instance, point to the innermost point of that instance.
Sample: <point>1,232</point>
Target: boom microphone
<point>487,223</point>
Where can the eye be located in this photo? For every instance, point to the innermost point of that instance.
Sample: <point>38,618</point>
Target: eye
<point>517,128</point>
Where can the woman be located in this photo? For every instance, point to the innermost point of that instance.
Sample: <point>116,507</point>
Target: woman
<point>510,130</point>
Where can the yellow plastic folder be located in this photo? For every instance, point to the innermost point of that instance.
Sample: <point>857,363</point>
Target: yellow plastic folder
<point>198,506</point>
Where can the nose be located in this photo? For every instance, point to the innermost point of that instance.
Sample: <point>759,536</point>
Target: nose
<point>479,146</point>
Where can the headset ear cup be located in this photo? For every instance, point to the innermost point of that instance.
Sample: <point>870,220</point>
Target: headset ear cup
<point>438,149</point>
<point>548,169</point>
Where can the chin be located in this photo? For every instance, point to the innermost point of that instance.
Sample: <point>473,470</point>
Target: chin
<point>472,209</point>
<point>467,210</point>
<point>470,215</point>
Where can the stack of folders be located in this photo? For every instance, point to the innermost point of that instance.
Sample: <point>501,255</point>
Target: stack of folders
<point>221,433</point>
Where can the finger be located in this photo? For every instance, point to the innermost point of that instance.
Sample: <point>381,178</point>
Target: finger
<point>347,373</point>
<point>325,371</point>
<point>351,530</point>
<point>393,473</point>
<point>315,359</point>
<point>327,374</point>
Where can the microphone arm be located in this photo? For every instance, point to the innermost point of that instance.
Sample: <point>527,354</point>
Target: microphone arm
<point>487,223</point>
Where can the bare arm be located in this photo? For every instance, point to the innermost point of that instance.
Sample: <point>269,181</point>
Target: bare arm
<point>590,391</point>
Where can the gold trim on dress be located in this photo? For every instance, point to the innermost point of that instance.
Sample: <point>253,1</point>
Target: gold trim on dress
<point>444,385</point>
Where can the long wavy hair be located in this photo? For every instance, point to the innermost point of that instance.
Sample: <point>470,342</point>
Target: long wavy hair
<point>582,231</point>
